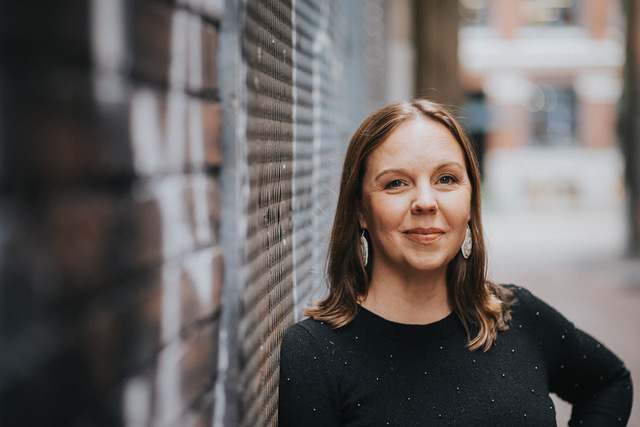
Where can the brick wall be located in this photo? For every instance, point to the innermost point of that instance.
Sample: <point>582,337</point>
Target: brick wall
<point>167,179</point>
<point>111,262</point>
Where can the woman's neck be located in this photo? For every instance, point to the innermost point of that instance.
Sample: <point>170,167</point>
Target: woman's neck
<point>410,300</point>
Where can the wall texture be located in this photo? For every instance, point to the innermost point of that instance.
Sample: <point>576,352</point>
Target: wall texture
<point>111,262</point>
<point>168,172</point>
<point>301,79</point>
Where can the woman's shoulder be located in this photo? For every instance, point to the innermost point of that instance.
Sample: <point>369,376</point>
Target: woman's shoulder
<point>527,307</point>
<point>315,342</point>
<point>519,293</point>
<point>523,297</point>
<point>308,332</point>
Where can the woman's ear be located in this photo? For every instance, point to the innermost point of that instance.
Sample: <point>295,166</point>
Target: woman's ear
<point>361,220</point>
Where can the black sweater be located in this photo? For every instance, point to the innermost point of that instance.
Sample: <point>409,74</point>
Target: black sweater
<point>374,372</point>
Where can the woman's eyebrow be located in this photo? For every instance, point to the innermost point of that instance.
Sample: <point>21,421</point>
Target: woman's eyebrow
<point>390,171</point>
<point>443,165</point>
<point>448,164</point>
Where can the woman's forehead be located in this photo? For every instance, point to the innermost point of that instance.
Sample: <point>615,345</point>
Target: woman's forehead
<point>419,140</point>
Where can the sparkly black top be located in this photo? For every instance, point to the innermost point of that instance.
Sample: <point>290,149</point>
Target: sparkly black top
<point>374,372</point>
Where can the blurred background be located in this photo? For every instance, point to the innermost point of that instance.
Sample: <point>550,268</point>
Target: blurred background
<point>168,175</point>
<point>547,86</point>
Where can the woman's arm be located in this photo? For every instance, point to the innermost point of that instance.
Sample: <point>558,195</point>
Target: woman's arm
<point>596,382</point>
<point>581,370</point>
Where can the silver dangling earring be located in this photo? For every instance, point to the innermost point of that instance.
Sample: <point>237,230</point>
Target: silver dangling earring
<point>467,244</point>
<point>364,249</point>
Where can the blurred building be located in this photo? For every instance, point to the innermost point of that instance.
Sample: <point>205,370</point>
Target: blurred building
<point>543,80</point>
<point>629,124</point>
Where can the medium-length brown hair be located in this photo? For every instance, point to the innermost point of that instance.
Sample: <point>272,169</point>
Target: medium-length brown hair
<point>482,306</point>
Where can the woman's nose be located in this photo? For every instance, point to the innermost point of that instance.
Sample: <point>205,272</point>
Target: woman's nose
<point>425,202</point>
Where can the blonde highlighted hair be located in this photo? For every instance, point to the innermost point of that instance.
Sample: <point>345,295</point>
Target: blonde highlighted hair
<point>482,306</point>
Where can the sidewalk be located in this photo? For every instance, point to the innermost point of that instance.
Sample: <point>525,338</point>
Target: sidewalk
<point>574,260</point>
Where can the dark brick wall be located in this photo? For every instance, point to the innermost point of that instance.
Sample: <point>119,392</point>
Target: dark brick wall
<point>110,259</point>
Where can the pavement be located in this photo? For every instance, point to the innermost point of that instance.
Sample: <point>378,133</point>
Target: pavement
<point>574,259</point>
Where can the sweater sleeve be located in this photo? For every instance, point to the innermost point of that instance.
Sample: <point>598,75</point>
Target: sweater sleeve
<point>308,392</point>
<point>581,370</point>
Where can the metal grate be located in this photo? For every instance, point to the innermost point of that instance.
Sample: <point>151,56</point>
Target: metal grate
<point>308,18</point>
<point>267,301</point>
<point>338,58</point>
<point>304,88</point>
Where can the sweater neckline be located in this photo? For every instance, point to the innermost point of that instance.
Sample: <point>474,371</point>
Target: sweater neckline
<point>430,332</point>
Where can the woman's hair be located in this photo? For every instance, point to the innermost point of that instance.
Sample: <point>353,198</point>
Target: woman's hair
<point>482,306</point>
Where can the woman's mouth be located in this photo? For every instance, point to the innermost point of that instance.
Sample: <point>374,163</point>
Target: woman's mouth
<point>424,235</point>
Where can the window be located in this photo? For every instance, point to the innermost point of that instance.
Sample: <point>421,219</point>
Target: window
<point>553,115</point>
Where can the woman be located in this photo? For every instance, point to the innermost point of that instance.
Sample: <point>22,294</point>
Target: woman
<point>412,332</point>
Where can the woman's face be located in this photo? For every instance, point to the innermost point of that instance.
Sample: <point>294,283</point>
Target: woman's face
<point>416,199</point>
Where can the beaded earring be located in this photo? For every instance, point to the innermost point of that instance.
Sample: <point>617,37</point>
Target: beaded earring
<point>467,245</point>
<point>364,249</point>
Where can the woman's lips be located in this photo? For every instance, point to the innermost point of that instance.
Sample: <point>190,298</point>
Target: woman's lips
<point>424,235</point>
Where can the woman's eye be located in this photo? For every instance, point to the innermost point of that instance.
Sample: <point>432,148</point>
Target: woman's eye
<point>396,183</point>
<point>448,179</point>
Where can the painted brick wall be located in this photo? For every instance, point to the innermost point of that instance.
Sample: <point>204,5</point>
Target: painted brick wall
<point>111,262</point>
<point>168,173</point>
